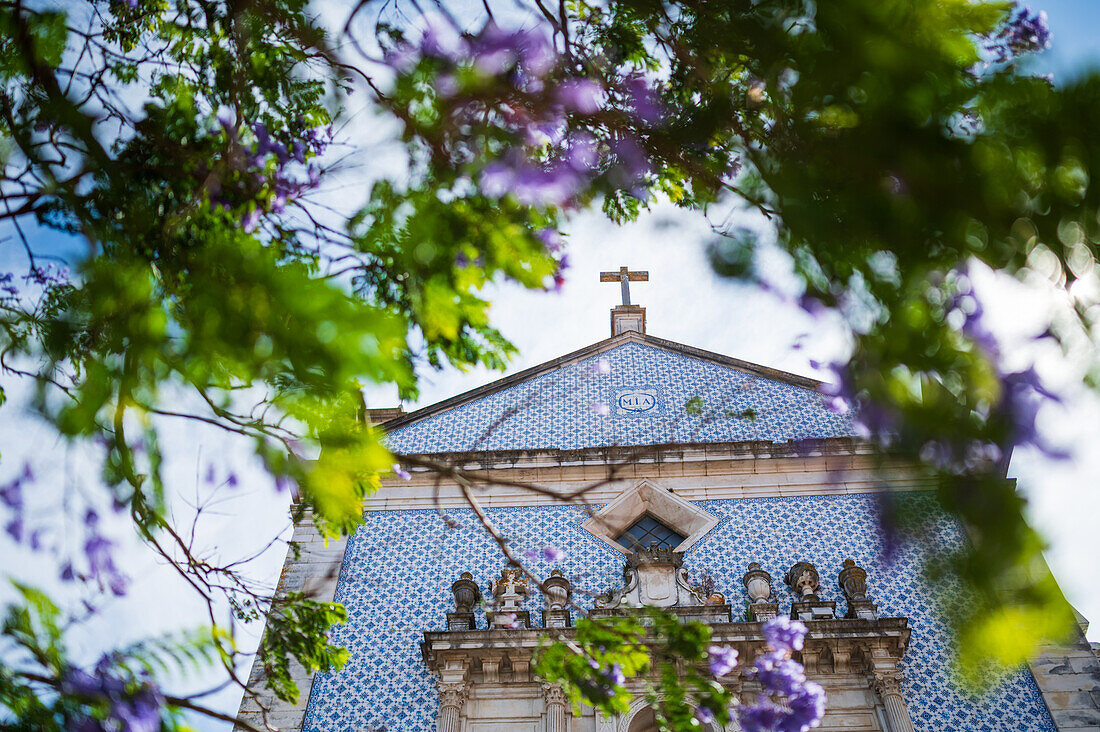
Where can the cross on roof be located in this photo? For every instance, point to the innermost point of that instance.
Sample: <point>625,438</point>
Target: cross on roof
<point>625,277</point>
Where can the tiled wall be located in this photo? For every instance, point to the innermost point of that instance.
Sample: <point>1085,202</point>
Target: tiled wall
<point>556,410</point>
<point>399,566</point>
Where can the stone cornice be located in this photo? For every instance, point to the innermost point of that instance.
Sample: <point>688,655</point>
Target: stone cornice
<point>694,472</point>
<point>836,646</point>
<point>657,453</point>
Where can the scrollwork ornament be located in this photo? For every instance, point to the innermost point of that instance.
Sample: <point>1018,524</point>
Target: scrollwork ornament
<point>554,695</point>
<point>887,684</point>
<point>452,694</point>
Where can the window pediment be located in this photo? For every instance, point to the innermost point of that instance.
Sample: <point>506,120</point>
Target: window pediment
<point>613,522</point>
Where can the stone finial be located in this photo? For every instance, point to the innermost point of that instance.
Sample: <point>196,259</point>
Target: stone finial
<point>804,580</point>
<point>758,583</point>
<point>557,590</point>
<point>853,583</point>
<point>556,593</point>
<point>466,592</point>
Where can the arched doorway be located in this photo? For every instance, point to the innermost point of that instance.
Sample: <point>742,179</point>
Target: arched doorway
<point>645,721</point>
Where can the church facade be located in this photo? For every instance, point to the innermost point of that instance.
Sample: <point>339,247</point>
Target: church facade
<point>725,491</point>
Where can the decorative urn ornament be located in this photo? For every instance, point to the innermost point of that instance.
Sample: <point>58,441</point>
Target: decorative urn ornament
<point>557,590</point>
<point>804,580</point>
<point>758,583</point>
<point>466,592</point>
<point>853,581</point>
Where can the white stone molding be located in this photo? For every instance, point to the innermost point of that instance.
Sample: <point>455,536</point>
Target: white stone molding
<point>637,706</point>
<point>647,497</point>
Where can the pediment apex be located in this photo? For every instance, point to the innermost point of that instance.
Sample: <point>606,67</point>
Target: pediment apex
<point>648,497</point>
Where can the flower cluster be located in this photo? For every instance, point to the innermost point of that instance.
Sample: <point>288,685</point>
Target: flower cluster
<point>8,290</point>
<point>48,277</point>
<point>11,495</point>
<point>269,172</point>
<point>1026,31</point>
<point>549,553</point>
<point>507,115</point>
<point>98,550</point>
<point>606,682</point>
<point>132,706</point>
<point>789,703</point>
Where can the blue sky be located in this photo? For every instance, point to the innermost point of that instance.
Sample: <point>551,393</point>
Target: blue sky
<point>1074,49</point>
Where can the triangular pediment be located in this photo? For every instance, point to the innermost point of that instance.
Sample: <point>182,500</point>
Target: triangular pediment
<point>632,389</point>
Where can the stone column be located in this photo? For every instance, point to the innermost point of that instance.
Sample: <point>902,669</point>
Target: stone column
<point>555,707</point>
<point>888,687</point>
<point>452,695</point>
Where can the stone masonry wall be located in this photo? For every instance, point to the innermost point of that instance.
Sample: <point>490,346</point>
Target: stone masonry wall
<point>315,572</point>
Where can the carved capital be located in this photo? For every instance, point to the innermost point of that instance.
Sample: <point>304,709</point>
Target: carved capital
<point>887,684</point>
<point>452,694</point>
<point>554,695</point>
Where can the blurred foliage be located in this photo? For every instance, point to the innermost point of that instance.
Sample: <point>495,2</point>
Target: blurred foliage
<point>652,645</point>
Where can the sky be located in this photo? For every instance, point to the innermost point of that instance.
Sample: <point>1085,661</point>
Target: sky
<point>685,302</point>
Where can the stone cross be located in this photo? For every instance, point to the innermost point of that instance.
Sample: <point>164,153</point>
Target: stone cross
<point>624,276</point>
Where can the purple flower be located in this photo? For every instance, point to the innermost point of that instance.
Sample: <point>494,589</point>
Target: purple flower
<point>644,100</point>
<point>401,472</point>
<point>582,154</point>
<point>789,703</point>
<point>600,409</point>
<point>704,715</point>
<point>98,551</point>
<point>497,179</point>
<point>495,50</point>
<point>722,660</point>
<point>11,495</point>
<point>550,239</point>
<point>250,219</point>
<point>807,707</point>
<point>762,716</point>
<point>778,673</point>
<point>1025,31</point>
<point>440,40</point>
<point>784,634</point>
<point>14,528</point>
<point>49,276</point>
<point>580,95</point>
<point>231,481</point>
<point>615,675</point>
<point>552,553</point>
<point>602,366</point>
<point>130,710</point>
